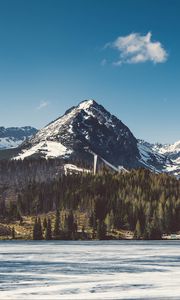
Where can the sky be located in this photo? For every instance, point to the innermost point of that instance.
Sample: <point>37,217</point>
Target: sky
<point>125,54</point>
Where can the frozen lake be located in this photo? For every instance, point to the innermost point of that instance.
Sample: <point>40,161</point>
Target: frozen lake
<point>90,270</point>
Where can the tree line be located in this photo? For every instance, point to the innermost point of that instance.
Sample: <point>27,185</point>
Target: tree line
<point>146,203</point>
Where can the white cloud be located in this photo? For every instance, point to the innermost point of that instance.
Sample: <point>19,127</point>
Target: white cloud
<point>103,62</point>
<point>42,104</point>
<point>135,48</point>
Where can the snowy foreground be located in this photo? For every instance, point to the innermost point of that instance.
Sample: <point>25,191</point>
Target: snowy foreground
<point>90,270</point>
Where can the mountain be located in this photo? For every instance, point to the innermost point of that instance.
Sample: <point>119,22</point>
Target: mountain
<point>12,137</point>
<point>172,152</point>
<point>160,158</point>
<point>89,129</point>
<point>151,158</point>
<point>83,129</point>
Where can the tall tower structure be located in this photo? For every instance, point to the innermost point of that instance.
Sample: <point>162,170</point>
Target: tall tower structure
<point>95,163</point>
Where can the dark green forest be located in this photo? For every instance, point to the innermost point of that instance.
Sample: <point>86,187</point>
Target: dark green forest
<point>140,201</point>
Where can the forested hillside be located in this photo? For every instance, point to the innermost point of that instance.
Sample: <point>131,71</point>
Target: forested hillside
<point>140,201</point>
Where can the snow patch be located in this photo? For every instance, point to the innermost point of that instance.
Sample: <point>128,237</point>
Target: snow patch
<point>49,149</point>
<point>163,156</point>
<point>52,129</point>
<point>86,104</point>
<point>174,148</point>
<point>70,169</point>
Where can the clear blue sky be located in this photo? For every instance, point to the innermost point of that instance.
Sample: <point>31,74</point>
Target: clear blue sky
<point>55,53</point>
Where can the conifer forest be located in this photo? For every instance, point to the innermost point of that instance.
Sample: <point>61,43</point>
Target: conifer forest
<point>141,202</point>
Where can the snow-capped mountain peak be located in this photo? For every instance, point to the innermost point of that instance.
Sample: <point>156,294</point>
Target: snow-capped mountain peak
<point>86,104</point>
<point>86,128</point>
<point>89,128</point>
<point>52,129</point>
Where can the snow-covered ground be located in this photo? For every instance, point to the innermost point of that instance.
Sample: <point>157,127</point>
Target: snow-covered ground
<point>90,270</point>
<point>47,148</point>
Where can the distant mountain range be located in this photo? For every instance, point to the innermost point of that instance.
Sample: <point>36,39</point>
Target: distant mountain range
<point>89,129</point>
<point>167,156</point>
<point>12,137</point>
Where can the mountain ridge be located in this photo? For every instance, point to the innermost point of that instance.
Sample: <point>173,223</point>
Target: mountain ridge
<point>12,137</point>
<point>86,128</point>
<point>89,128</point>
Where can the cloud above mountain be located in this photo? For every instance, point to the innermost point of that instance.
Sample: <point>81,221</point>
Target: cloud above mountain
<point>136,48</point>
<point>42,105</point>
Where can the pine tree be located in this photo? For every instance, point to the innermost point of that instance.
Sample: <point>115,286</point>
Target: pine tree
<point>138,233</point>
<point>13,233</point>
<point>48,235</point>
<point>155,229</point>
<point>101,230</point>
<point>57,225</point>
<point>70,227</point>
<point>40,234</point>
<point>71,222</point>
<point>35,230</point>
<point>45,223</point>
<point>109,221</point>
<point>93,224</point>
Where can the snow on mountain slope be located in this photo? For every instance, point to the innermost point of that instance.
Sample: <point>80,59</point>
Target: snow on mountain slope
<point>7,143</point>
<point>151,158</point>
<point>12,137</point>
<point>53,129</point>
<point>89,128</point>
<point>84,128</point>
<point>168,148</point>
<point>161,158</point>
<point>46,149</point>
<point>172,152</point>
<point>88,109</point>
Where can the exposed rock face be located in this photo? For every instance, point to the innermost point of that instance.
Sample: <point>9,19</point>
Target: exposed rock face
<point>83,129</point>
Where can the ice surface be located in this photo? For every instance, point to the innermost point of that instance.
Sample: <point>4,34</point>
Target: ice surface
<point>90,270</point>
